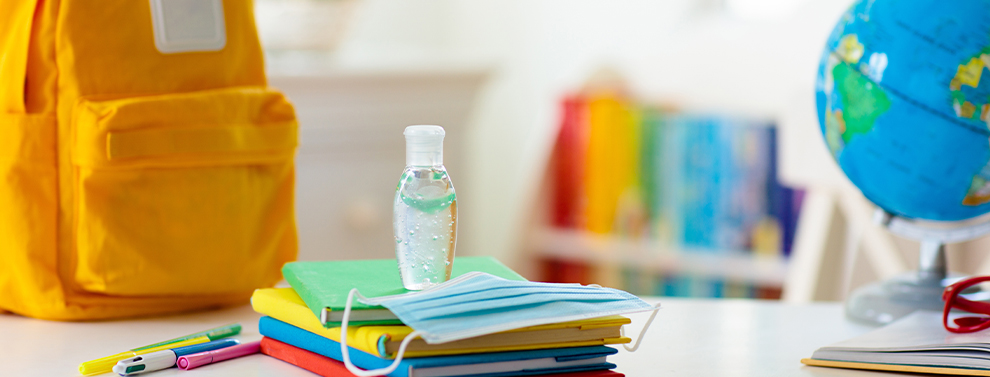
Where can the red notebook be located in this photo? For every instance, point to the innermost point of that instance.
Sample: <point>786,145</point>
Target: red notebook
<point>328,367</point>
<point>299,357</point>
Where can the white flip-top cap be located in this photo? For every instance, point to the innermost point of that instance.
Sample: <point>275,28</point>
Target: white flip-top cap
<point>424,145</point>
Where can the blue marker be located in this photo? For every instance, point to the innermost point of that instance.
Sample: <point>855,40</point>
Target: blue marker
<point>165,359</point>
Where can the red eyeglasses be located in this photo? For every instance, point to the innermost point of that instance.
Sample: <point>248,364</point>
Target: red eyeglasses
<point>953,301</point>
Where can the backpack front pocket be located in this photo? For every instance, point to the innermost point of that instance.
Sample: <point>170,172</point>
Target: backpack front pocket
<point>183,194</point>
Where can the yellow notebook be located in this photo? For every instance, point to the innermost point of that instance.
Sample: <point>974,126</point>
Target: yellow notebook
<point>896,368</point>
<point>285,305</point>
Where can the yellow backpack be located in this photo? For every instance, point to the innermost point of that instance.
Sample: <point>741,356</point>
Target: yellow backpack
<point>145,166</point>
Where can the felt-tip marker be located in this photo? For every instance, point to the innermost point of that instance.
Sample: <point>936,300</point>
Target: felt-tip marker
<point>188,362</point>
<point>166,359</point>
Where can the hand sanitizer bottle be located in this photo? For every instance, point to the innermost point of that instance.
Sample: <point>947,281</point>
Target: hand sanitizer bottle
<point>425,211</point>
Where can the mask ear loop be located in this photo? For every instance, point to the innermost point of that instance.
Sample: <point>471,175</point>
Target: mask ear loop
<point>622,331</point>
<point>347,357</point>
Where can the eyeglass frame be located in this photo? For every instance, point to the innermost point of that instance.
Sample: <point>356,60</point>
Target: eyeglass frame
<point>952,300</point>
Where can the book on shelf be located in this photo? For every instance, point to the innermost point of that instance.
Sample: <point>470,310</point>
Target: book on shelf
<point>611,162</point>
<point>324,286</point>
<point>516,363</point>
<point>917,343</point>
<point>717,173</point>
<point>567,162</point>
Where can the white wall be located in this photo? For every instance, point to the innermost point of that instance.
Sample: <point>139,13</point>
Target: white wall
<point>538,49</point>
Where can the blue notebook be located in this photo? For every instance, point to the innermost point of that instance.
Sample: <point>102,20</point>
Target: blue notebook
<point>496,364</point>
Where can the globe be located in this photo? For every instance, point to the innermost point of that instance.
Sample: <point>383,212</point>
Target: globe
<point>903,97</point>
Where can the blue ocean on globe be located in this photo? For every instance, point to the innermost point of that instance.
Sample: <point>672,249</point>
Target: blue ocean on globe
<point>903,95</point>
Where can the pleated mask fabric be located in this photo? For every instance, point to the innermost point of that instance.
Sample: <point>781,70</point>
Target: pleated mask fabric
<point>478,303</point>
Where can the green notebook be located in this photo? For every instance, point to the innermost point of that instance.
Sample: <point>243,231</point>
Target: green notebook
<point>324,285</point>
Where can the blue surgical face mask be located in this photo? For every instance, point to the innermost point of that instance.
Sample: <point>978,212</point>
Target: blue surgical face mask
<point>477,304</point>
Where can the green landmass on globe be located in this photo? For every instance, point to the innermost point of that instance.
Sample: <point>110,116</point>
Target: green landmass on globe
<point>862,101</point>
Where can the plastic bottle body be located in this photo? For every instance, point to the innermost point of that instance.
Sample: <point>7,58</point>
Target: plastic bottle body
<point>425,226</point>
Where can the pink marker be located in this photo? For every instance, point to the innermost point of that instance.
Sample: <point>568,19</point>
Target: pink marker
<point>188,362</point>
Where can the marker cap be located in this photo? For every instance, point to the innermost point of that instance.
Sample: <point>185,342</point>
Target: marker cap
<point>192,361</point>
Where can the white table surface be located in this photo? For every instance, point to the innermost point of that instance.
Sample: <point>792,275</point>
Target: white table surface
<point>690,337</point>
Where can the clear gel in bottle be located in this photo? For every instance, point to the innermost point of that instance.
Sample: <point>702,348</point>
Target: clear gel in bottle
<point>425,211</point>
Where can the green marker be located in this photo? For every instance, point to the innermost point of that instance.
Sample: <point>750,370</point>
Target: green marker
<point>214,334</point>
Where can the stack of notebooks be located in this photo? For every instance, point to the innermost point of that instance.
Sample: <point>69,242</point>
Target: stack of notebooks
<point>301,326</point>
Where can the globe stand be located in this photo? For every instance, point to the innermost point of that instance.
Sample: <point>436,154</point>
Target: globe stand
<point>884,302</point>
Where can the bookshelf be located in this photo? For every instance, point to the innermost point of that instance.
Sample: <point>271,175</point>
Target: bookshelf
<point>658,201</point>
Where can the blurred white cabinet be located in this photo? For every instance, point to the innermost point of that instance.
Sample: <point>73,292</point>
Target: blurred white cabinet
<point>352,150</point>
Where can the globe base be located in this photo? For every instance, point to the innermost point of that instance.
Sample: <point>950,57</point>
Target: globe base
<point>882,303</point>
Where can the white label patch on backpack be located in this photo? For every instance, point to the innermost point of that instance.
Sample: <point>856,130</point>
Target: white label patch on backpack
<point>188,25</point>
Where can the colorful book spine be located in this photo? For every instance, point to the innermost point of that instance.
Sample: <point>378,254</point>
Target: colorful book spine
<point>651,164</point>
<point>611,160</point>
<point>567,163</point>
